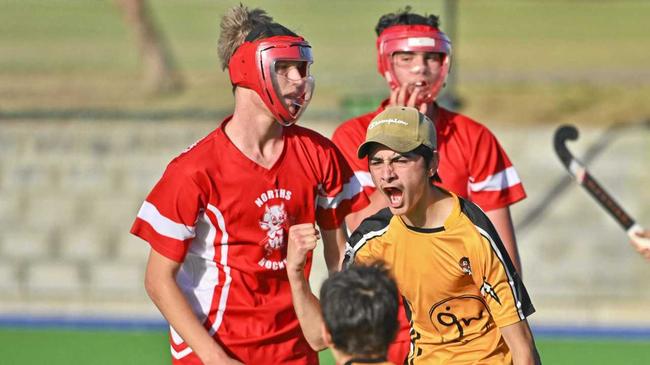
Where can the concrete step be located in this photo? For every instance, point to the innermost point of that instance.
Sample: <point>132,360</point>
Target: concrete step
<point>111,279</point>
<point>24,245</point>
<point>132,249</point>
<point>54,279</point>
<point>85,244</point>
<point>52,209</point>
<point>10,274</point>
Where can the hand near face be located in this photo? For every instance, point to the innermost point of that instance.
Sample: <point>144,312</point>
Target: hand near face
<point>403,96</point>
<point>302,240</point>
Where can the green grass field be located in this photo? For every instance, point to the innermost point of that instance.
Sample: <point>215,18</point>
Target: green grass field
<point>59,347</point>
<point>517,61</point>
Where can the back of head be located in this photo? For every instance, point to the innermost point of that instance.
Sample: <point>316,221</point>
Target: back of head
<point>405,17</point>
<point>240,24</point>
<point>360,309</point>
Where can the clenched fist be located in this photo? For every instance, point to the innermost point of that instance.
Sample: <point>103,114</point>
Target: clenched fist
<point>302,240</point>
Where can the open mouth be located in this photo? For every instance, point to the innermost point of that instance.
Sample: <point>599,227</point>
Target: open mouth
<point>394,196</point>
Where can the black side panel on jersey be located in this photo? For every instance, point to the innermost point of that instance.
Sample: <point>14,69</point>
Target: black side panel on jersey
<point>373,226</point>
<point>486,228</point>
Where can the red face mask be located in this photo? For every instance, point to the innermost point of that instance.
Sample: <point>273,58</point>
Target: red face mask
<point>277,69</point>
<point>413,38</point>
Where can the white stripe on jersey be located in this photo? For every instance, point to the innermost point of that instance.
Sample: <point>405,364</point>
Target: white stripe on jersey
<point>163,225</point>
<point>226,269</point>
<point>199,274</point>
<point>366,237</point>
<point>499,181</point>
<point>350,189</point>
<point>511,282</point>
<point>198,261</point>
<point>364,178</point>
<point>180,354</point>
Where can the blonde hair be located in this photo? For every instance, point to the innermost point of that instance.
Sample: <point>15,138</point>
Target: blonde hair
<point>235,26</point>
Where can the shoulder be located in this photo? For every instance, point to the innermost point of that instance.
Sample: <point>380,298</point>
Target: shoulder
<point>308,137</point>
<point>478,219</point>
<point>461,121</point>
<point>374,226</point>
<point>198,155</point>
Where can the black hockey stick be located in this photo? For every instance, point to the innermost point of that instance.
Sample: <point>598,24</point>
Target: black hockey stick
<point>584,178</point>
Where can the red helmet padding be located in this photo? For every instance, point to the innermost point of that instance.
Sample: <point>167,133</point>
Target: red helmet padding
<point>412,38</point>
<point>252,63</point>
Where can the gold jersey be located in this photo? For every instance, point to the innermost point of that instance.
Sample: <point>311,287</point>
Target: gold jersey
<point>458,283</point>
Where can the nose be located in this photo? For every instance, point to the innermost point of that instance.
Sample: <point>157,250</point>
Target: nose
<point>387,172</point>
<point>293,74</point>
<point>419,64</point>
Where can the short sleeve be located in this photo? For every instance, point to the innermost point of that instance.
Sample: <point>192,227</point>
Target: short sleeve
<point>494,182</point>
<point>495,276</point>
<point>168,216</point>
<point>347,138</point>
<point>340,192</point>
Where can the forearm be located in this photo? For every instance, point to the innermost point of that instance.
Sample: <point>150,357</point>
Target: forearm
<point>167,296</point>
<point>502,221</point>
<point>307,309</point>
<point>520,340</point>
<point>334,248</point>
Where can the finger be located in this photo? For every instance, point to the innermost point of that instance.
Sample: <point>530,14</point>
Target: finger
<point>413,98</point>
<point>423,108</point>
<point>401,95</point>
<point>393,96</point>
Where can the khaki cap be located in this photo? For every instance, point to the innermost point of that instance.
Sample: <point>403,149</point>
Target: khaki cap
<point>400,128</point>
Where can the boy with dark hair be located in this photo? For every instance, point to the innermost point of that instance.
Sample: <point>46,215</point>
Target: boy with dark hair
<point>414,56</point>
<point>466,301</point>
<point>217,220</point>
<point>359,313</point>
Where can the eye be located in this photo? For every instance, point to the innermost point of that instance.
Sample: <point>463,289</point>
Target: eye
<point>432,57</point>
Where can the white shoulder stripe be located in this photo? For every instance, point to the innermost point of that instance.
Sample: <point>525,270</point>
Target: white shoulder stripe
<point>366,237</point>
<point>163,225</point>
<point>511,281</point>
<point>350,189</point>
<point>364,178</point>
<point>499,181</point>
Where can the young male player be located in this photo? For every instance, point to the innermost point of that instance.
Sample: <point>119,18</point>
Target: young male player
<point>414,57</point>
<point>359,307</point>
<point>466,301</point>
<point>217,220</point>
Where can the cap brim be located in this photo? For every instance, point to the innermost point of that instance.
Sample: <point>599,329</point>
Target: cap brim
<point>394,145</point>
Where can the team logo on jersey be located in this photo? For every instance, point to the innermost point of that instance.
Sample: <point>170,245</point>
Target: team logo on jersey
<point>487,289</point>
<point>457,317</point>
<point>465,266</point>
<point>273,224</point>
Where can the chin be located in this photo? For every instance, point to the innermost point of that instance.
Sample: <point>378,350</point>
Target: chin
<point>401,210</point>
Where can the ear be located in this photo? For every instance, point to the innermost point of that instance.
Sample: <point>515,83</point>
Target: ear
<point>433,165</point>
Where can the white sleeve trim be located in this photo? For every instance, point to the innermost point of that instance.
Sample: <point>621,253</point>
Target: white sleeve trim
<point>350,189</point>
<point>163,225</point>
<point>364,177</point>
<point>500,181</point>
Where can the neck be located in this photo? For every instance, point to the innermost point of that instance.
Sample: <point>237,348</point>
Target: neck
<point>343,358</point>
<point>253,129</point>
<point>432,111</point>
<point>431,211</point>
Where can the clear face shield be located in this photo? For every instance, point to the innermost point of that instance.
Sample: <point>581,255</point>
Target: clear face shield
<point>420,71</point>
<point>415,56</point>
<point>293,87</point>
